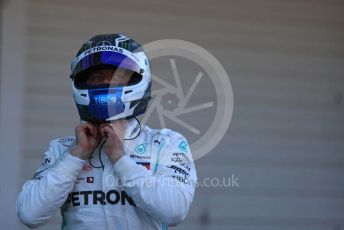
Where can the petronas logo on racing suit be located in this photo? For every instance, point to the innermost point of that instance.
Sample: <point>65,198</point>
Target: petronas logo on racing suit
<point>97,197</point>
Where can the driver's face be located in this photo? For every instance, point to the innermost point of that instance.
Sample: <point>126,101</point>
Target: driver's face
<point>109,76</point>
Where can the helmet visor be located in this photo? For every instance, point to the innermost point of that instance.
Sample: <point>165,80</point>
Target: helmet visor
<point>105,69</point>
<point>107,58</point>
<point>106,77</point>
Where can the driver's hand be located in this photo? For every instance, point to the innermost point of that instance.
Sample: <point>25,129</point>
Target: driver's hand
<point>87,139</point>
<point>114,134</point>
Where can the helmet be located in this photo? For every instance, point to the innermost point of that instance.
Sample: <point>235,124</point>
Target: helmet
<point>111,102</point>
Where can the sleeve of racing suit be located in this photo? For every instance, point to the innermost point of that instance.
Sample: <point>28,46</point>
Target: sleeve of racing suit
<point>43,195</point>
<point>166,193</point>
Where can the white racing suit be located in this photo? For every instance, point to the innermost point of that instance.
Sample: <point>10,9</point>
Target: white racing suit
<point>150,187</point>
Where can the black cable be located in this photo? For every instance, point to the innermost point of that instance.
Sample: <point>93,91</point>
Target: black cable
<point>99,154</point>
<point>89,160</point>
<point>102,144</point>
<point>100,159</point>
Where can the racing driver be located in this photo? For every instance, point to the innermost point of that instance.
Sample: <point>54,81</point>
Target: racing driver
<point>114,174</point>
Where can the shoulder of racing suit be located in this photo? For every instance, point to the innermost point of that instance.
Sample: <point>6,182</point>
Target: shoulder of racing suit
<point>55,153</point>
<point>167,135</point>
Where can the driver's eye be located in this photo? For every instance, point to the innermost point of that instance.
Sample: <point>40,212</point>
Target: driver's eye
<point>95,79</point>
<point>117,77</point>
<point>101,77</point>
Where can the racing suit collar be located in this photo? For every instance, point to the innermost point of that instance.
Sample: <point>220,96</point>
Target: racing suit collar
<point>132,129</point>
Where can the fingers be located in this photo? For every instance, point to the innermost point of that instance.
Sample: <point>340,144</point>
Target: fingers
<point>92,129</point>
<point>107,131</point>
<point>88,129</point>
<point>102,125</point>
<point>87,139</point>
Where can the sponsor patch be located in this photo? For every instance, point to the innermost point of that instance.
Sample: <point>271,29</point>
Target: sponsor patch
<point>146,164</point>
<point>181,179</point>
<point>181,162</point>
<point>183,146</point>
<point>141,148</point>
<point>90,179</point>
<point>179,170</point>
